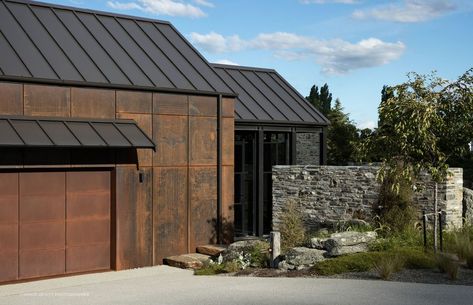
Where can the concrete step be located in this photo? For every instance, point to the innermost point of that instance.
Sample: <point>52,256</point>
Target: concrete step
<point>187,261</point>
<point>211,250</point>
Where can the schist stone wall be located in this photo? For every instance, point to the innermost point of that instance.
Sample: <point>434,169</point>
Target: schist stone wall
<point>332,194</point>
<point>308,148</point>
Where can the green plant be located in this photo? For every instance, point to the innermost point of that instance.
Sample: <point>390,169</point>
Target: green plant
<point>210,269</point>
<point>417,258</point>
<point>259,255</point>
<point>292,226</point>
<point>460,242</point>
<point>387,265</point>
<point>469,261</point>
<point>409,237</point>
<point>358,262</point>
<point>447,265</point>
<point>232,266</point>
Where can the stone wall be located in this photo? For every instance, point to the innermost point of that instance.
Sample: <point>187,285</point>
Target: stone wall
<point>332,194</point>
<point>308,148</point>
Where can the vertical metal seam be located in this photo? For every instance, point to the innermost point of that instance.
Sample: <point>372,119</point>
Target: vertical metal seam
<point>185,58</point>
<point>261,92</point>
<point>65,221</point>
<point>189,202</point>
<point>144,51</point>
<point>31,40</point>
<point>124,50</point>
<point>260,184</point>
<point>219,171</point>
<point>17,55</point>
<point>79,44</point>
<point>57,43</point>
<point>165,55</point>
<point>19,226</point>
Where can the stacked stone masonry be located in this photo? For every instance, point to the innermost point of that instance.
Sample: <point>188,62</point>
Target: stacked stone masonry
<point>329,195</point>
<point>308,148</point>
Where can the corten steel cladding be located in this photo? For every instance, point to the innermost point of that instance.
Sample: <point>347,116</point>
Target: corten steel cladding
<point>53,223</point>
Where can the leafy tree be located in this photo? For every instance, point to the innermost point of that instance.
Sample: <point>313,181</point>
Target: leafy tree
<point>321,100</point>
<point>341,138</point>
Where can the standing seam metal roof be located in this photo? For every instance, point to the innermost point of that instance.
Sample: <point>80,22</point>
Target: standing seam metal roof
<point>41,41</point>
<point>264,95</point>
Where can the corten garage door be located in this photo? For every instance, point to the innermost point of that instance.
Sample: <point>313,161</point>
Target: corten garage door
<point>54,223</point>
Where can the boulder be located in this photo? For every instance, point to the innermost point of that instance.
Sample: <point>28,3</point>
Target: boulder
<point>301,257</point>
<point>242,247</point>
<point>468,205</point>
<point>317,243</point>
<point>348,242</point>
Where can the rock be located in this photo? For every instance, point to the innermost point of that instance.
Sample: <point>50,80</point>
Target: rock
<point>242,247</point>
<point>317,243</point>
<point>468,205</point>
<point>301,257</point>
<point>285,266</point>
<point>187,261</point>
<point>211,250</point>
<point>348,242</point>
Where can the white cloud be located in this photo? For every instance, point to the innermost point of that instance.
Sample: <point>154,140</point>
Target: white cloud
<point>204,3</point>
<point>367,124</point>
<point>329,1</point>
<point>226,62</point>
<point>160,7</point>
<point>408,11</point>
<point>335,56</point>
<point>217,43</point>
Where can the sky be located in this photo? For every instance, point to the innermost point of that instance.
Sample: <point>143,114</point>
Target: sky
<point>355,46</point>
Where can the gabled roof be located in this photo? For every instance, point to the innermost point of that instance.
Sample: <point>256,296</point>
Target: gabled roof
<point>264,95</point>
<point>45,42</point>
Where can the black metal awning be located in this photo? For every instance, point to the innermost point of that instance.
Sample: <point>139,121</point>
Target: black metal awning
<point>71,133</point>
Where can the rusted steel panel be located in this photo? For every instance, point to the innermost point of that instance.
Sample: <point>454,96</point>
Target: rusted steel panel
<point>41,100</point>
<point>203,206</point>
<point>42,235</point>
<point>11,98</point>
<point>203,141</point>
<point>39,263</point>
<point>134,235</point>
<point>170,133</point>
<point>227,203</point>
<point>42,196</point>
<point>47,157</point>
<point>92,103</point>
<point>176,104</point>
<point>228,107</point>
<point>144,121</point>
<point>88,221</point>
<point>8,226</point>
<point>170,212</point>
<point>202,105</point>
<point>228,143</point>
<point>134,102</point>
<point>42,223</point>
<point>88,258</point>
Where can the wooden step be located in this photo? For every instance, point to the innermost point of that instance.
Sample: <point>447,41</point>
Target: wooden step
<point>211,250</point>
<point>187,261</point>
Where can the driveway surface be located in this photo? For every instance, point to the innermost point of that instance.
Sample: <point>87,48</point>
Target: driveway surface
<point>166,285</point>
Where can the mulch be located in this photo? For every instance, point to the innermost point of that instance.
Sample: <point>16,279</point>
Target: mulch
<point>427,276</point>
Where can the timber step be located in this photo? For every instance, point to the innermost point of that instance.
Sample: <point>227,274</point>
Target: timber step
<point>211,250</point>
<point>187,261</point>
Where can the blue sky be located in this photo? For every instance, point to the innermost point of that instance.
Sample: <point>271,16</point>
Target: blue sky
<point>356,46</point>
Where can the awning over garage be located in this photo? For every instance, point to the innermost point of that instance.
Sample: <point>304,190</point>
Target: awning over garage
<point>71,133</point>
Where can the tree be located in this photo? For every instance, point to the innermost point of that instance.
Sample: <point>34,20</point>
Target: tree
<point>416,119</point>
<point>323,100</point>
<point>341,138</point>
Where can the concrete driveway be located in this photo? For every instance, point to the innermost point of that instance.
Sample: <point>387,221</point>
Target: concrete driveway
<point>166,285</point>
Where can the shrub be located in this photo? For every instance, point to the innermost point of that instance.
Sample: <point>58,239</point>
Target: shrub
<point>259,255</point>
<point>447,265</point>
<point>460,243</point>
<point>387,265</point>
<point>410,238</point>
<point>358,262</point>
<point>416,258</point>
<point>292,227</point>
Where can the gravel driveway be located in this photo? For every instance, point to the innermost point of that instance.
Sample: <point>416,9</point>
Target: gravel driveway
<point>165,285</point>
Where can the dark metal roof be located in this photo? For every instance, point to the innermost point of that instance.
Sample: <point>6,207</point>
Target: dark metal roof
<point>54,132</point>
<point>46,42</point>
<point>265,96</point>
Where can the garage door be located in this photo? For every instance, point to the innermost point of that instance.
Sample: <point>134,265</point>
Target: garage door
<point>54,223</point>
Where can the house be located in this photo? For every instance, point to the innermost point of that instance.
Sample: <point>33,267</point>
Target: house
<point>118,142</point>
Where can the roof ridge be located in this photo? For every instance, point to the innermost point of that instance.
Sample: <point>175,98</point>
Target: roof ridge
<point>85,10</point>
